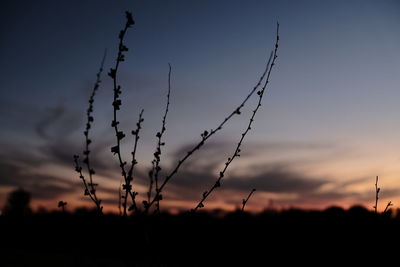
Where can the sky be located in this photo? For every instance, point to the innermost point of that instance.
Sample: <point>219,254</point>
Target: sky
<point>328,125</point>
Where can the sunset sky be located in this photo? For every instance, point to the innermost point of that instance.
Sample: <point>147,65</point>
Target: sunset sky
<point>329,124</point>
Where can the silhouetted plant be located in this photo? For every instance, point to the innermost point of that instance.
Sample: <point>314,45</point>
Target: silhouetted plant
<point>206,134</point>
<point>87,192</point>
<point>127,187</point>
<point>237,151</point>
<point>377,191</point>
<point>18,203</point>
<point>90,187</point>
<point>244,201</point>
<point>119,199</point>
<point>155,170</point>
<point>388,205</point>
<point>62,204</point>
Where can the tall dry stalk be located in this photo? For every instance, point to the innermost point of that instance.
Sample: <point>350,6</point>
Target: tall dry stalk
<point>90,187</point>
<point>154,172</point>
<point>244,201</point>
<point>204,137</point>
<point>237,150</point>
<point>122,48</point>
<point>377,190</point>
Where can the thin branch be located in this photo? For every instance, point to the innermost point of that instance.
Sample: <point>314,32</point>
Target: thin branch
<point>244,201</point>
<point>237,151</point>
<point>204,137</point>
<point>87,192</point>
<point>128,186</point>
<point>389,204</point>
<point>151,182</point>
<point>90,188</point>
<point>377,190</point>
<point>119,199</point>
<point>157,154</point>
<point>117,101</point>
<point>62,204</point>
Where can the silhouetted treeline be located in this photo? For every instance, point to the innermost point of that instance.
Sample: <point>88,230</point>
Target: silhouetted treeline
<point>18,203</point>
<point>202,239</point>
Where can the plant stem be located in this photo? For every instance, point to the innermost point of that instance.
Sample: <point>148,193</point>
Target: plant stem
<point>157,153</point>
<point>377,189</point>
<point>244,202</point>
<point>90,188</point>
<point>205,136</point>
<point>128,187</point>
<point>237,151</point>
<point>117,101</point>
<point>86,133</point>
<point>388,206</point>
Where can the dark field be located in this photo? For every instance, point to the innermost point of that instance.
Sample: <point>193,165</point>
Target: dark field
<point>204,239</point>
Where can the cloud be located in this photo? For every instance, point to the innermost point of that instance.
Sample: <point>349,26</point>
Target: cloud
<point>215,153</point>
<point>61,152</point>
<point>42,187</point>
<point>282,179</point>
<point>59,131</point>
<point>251,148</point>
<point>204,166</point>
<point>276,176</point>
<point>210,155</point>
<point>189,184</point>
<point>24,164</point>
<point>53,115</point>
<point>277,179</point>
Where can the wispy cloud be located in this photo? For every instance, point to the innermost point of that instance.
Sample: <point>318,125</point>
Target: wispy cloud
<point>278,179</point>
<point>53,115</point>
<point>41,186</point>
<point>275,175</point>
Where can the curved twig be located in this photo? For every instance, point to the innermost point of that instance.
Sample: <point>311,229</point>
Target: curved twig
<point>204,137</point>
<point>388,205</point>
<point>377,190</point>
<point>90,187</point>
<point>237,151</point>
<point>117,101</point>
<point>244,201</point>
<point>157,154</point>
<point>128,186</point>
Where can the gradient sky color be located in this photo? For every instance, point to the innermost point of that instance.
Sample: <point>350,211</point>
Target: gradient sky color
<point>328,126</point>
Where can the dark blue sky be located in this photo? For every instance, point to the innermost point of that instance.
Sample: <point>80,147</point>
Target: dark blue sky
<point>330,118</point>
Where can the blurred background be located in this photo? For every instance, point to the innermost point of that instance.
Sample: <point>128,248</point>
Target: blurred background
<point>328,125</point>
